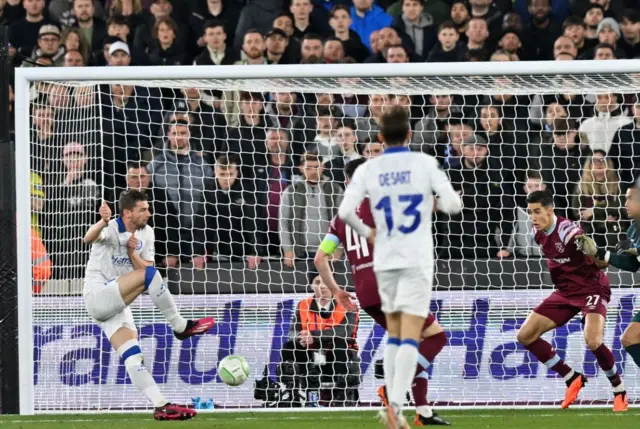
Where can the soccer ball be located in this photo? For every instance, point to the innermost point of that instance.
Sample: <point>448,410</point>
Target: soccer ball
<point>233,370</point>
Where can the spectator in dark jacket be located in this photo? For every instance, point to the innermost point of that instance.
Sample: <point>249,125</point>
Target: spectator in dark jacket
<point>489,12</point>
<point>340,21</point>
<point>303,20</point>
<point>204,11</point>
<point>575,28</point>
<point>630,26</point>
<point>258,14</point>
<point>624,150</point>
<point>276,44</point>
<point>230,217</point>
<point>217,51</point>
<point>561,162</point>
<point>166,51</point>
<point>447,50</point>
<point>143,40</point>
<point>118,26</point>
<point>23,33</point>
<point>418,29</point>
<point>541,32</point>
<point>488,207</point>
<point>93,29</point>
<point>478,36</point>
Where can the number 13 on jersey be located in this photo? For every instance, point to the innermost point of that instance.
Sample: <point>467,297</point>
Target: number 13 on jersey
<point>410,203</point>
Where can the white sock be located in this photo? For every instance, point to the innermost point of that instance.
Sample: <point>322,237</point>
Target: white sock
<point>140,377</point>
<point>619,388</point>
<point>568,376</point>
<point>424,410</point>
<point>389,363</point>
<point>405,370</point>
<point>163,300</point>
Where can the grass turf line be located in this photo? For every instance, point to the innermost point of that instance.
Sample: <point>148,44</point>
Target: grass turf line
<point>480,419</point>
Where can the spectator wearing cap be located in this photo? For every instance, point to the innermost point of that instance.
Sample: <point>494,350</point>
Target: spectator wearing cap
<point>521,244</point>
<point>182,173</point>
<point>260,14</point>
<point>284,22</point>
<point>592,17</point>
<point>511,42</point>
<point>541,31</point>
<point>24,32</point>
<point>119,54</point>
<point>609,34</point>
<point>447,49</point>
<point>48,45</point>
<point>203,11</point>
<point>610,115</point>
<point>575,28</point>
<point>340,22</point>
<point>166,52</point>
<point>217,51</point>
<point>72,194</point>
<point>416,28</point>
<point>92,28</point>
<point>276,43</point>
<point>624,150</point>
<point>303,20</point>
<point>367,18</point>
<point>630,26</point>
<point>460,15</point>
<point>483,228</point>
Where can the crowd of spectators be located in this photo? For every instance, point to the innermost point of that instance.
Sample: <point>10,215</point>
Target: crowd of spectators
<point>251,175</point>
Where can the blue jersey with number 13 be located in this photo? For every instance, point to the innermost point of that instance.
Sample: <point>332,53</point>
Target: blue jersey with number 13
<point>401,186</point>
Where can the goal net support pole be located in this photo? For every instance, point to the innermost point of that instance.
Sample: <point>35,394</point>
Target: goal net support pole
<point>585,77</point>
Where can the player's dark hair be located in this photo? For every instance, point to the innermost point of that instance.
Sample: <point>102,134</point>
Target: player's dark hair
<point>129,199</point>
<point>351,166</point>
<point>543,197</point>
<point>395,126</point>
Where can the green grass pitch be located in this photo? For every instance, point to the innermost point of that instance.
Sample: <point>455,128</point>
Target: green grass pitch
<point>578,418</point>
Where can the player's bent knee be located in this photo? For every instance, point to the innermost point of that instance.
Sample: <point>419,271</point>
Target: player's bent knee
<point>631,335</point>
<point>131,354</point>
<point>149,274</point>
<point>593,343</point>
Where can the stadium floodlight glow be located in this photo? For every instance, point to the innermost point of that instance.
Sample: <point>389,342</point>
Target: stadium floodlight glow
<point>65,365</point>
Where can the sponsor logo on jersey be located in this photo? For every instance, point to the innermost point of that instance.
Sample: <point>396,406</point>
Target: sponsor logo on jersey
<point>561,260</point>
<point>120,261</point>
<point>139,245</point>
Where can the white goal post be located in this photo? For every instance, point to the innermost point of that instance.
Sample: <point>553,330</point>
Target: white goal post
<point>481,365</point>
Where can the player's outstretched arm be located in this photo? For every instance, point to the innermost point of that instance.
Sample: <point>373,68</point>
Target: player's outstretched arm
<point>93,234</point>
<point>624,261</point>
<point>448,199</point>
<point>321,260</point>
<point>353,196</point>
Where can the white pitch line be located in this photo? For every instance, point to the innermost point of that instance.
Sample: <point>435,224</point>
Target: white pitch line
<point>210,417</point>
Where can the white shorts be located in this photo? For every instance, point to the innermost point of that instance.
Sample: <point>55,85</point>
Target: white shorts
<point>106,306</point>
<point>405,290</point>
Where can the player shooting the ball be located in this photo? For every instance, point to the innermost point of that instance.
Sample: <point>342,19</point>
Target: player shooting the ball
<point>581,287</point>
<point>120,269</point>
<point>627,258</point>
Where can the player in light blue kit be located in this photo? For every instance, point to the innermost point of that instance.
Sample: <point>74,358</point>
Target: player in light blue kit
<point>401,186</point>
<point>119,270</point>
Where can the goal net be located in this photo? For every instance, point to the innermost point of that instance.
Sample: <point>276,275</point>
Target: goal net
<point>243,174</point>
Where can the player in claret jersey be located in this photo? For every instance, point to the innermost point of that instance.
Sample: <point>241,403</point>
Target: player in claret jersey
<point>120,269</point>
<point>581,287</point>
<point>360,255</point>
